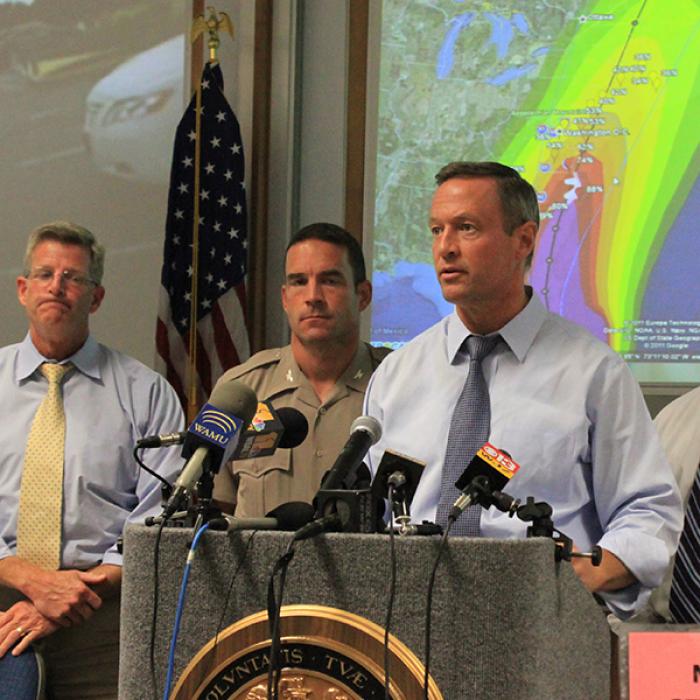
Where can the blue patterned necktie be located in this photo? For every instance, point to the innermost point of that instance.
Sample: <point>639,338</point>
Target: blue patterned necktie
<point>469,430</point>
<point>684,601</point>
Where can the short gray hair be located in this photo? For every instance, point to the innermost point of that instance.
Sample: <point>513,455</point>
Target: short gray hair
<point>69,234</point>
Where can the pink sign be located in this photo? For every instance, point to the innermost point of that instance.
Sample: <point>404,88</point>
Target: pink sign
<point>664,665</point>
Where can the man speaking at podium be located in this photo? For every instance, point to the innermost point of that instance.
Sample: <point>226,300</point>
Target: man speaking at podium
<point>503,369</point>
<point>71,411</point>
<point>323,372</point>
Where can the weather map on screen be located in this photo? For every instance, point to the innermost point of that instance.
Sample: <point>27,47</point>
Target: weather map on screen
<point>596,104</point>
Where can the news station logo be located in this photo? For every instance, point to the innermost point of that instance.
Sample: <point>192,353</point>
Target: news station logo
<point>498,459</point>
<point>215,426</point>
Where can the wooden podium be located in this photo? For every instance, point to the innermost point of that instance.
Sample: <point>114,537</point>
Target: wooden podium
<point>508,621</point>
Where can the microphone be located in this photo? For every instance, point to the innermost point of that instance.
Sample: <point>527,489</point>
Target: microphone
<point>328,523</point>
<point>287,517</point>
<point>365,431</point>
<point>212,436</point>
<point>271,429</point>
<point>483,479</point>
<point>163,440</point>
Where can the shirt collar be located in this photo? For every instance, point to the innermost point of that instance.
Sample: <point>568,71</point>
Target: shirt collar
<point>86,359</point>
<point>519,333</point>
<point>289,376</point>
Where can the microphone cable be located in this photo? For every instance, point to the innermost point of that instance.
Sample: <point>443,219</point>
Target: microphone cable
<point>154,616</point>
<point>153,473</point>
<point>392,592</point>
<point>429,606</point>
<point>243,560</point>
<point>180,608</point>
<point>274,615</point>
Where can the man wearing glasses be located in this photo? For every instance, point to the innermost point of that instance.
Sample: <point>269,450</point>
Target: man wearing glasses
<point>71,411</point>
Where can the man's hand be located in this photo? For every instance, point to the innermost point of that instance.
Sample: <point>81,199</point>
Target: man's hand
<point>21,625</point>
<point>611,575</point>
<point>64,597</point>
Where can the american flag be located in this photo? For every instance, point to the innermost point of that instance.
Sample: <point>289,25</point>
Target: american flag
<point>222,338</point>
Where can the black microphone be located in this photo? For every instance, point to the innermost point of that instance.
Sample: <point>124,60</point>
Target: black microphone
<point>328,523</point>
<point>286,517</point>
<point>271,429</point>
<point>483,479</point>
<point>365,431</point>
<point>212,436</point>
<point>162,440</point>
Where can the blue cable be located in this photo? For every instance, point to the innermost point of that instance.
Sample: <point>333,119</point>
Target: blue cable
<point>180,608</point>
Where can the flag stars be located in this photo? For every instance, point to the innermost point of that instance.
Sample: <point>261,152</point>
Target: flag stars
<point>183,188</point>
<point>217,227</point>
<point>201,221</point>
<point>209,278</point>
<point>205,84</point>
<point>176,240</point>
<point>206,304</point>
<point>228,175</point>
<point>204,195</point>
<point>236,148</point>
<point>221,117</point>
<point>215,142</point>
<point>192,135</point>
<point>179,214</point>
<point>209,168</point>
<point>223,201</point>
<point>188,296</point>
<point>187,162</point>
<point>183,322</point>
<point>190,271</point>
<point>227,259</point>
<point>212,252</point>
<point>233,233</point>
<point>221,284</point>
<point>238,208</point>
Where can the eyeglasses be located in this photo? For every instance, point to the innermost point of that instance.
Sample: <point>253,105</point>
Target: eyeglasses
<point>71,278</point>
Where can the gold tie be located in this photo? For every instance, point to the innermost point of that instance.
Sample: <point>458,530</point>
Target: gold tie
<point>41,495</point>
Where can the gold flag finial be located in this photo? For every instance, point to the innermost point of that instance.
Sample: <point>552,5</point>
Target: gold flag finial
<point>215,23</point>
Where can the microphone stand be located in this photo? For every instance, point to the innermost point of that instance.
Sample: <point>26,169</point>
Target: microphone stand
<point>540,515</point>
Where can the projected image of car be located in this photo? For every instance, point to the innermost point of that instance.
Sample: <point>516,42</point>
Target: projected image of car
<point>132,113</point>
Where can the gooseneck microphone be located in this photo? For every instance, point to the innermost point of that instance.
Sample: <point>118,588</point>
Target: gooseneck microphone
<point>212,436</point>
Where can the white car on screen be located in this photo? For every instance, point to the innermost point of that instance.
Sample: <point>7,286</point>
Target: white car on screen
<point>132,113</point>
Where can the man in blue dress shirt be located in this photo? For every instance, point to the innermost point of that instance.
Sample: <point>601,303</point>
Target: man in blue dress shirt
<point>71,612</point>
<point>562,403</point>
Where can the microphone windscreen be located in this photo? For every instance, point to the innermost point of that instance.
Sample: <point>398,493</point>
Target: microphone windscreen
<point>293,515</point>
<point>369,425</point>
<point>295,425</point>
<point>235,398</point>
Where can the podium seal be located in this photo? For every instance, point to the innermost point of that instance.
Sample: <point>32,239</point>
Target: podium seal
<point>327,654</point>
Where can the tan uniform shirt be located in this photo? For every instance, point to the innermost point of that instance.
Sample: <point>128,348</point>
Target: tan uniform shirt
<point>257,486</point>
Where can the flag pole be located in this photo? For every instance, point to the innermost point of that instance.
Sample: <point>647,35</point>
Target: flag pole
<point>212,26</point>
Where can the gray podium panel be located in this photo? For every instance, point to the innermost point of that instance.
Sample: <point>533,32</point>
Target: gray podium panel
<point>508,622</point>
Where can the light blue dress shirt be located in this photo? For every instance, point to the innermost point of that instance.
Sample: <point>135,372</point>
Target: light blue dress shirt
<point>110,401</point>
<point>568,410</point>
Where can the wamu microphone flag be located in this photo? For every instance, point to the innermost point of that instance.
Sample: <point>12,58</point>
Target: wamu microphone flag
<point>201,329</point>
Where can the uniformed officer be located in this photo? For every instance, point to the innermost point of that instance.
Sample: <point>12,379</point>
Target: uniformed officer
<point>323,372</point>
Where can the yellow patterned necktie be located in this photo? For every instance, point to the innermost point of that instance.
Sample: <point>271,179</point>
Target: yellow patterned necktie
<point>41,495</point>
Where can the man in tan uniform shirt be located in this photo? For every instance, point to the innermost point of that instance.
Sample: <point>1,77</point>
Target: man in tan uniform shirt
<point>323,372</point>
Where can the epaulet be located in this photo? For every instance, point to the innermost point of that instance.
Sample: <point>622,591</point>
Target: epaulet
<point>378,354</point>
<point>263,358</point>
